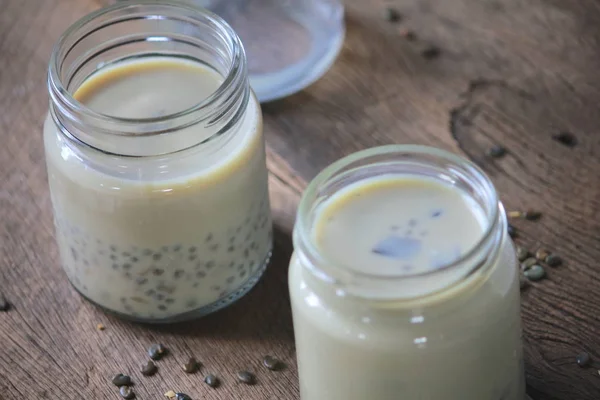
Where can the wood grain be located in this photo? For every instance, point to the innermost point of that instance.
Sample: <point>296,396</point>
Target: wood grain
<point>510,72</point>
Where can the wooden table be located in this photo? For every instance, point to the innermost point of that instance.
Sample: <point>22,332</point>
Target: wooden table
<point>510,72</point>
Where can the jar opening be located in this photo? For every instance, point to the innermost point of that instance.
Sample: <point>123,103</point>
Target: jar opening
<point>134,30</point>
<point>418,161</point>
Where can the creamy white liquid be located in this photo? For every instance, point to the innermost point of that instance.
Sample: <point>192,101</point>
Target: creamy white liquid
<point>165,235</point>
<point>428,332</point>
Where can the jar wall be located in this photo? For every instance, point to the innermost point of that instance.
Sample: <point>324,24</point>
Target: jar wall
<point>162,237</point>
<point>381,309</point>
<point>467,346</point>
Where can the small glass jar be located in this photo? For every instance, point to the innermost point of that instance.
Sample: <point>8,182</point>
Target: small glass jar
<point>162,218</point>
<point>365,336</point>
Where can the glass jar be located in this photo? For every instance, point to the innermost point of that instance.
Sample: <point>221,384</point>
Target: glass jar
<point>290,43</point>
<point>451,333</point>
<point>158,217</point>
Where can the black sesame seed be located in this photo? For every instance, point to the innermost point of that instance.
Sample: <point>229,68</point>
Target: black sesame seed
<point>126,254</point>
<point>113,248</point>
<point>211,381</point>
<point>230,279</point>
<point>162,307</point>
<point>157,351</point>
<point>149,369</point>
<point>431,52</point>
<point>566,139</point>
<point>177,247</point>
<point>182,396</point>
<point>113,257</point>
<point>126,392</point>
<point>583,359</point>
<point>165,249</point>
<point>193,249</point>
<point>156,256</point>
<point>532,215</point>
<point>210,264</point>
<point>126,266</point>
<point>214,247</point>
<point>158,271</point>
<point>200,274</point>
<point>553,260</point>
<point>272,363</point>
<point>246,377</point>
<point>512,231</point>
<point>150,292</point>
<point>191,366</point>
<point>147,252</point>
<point>178,273</point>
<point>436,213</point>
<point>192,257</point>
<point>209,237</point>
<point>134,259</point>
<point>121,380</point>
<point>159,296</point>
<point>231,249</point>
<point>496,151</point>
<point>169,301</point>
<point>242,274</point>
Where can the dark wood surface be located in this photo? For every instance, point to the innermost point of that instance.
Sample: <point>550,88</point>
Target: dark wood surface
<point>509,72</point>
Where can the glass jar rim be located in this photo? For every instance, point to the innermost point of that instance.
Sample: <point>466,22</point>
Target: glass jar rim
<point>337,273</point>
<point>85,25</point>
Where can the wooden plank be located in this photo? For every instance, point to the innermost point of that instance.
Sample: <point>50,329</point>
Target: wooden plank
<point>512,72</point>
